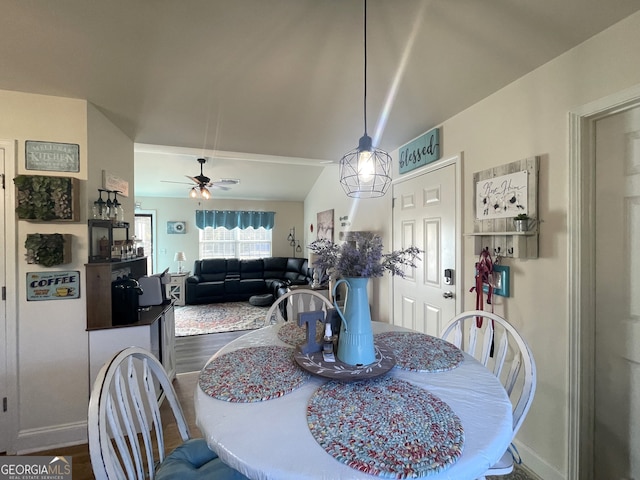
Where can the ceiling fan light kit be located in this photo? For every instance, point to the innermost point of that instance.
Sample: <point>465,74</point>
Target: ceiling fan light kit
<point>203,183</point>
<point>366,171</point>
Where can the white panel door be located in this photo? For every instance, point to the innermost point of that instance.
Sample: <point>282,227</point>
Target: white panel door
<point>617,336</point>
<point>424,215</point>
<point>4,393</point>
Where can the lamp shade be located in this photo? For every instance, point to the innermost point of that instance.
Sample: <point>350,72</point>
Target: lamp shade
<point>179,257</point>
<point>366,171</point>
<point>313,258</point>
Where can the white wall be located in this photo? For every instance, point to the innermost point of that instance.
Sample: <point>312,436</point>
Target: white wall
<point>527,118</point>
<point>52,343</point>
<point>52,349</point>
<point>110,150</point>
<point>288,215</point>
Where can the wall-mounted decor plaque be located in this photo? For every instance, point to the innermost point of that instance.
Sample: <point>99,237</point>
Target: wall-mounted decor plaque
<point>419,152</point>
<point>42,198</point>
<point>115,184</point>
<point>52,156</point>
<point>53,285</point>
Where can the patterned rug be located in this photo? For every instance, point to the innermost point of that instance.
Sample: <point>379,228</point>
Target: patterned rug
<point>218,317</point>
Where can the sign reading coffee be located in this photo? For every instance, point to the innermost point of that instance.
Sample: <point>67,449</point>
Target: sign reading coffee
<point>53,285</point>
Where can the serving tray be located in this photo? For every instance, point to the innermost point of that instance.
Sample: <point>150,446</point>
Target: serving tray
<point>314,363</point>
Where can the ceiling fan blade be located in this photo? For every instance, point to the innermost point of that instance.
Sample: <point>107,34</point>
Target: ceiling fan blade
<point>171,181</point>
<point>193,179</point>
<point>226,182</point>
<point>218,187</point>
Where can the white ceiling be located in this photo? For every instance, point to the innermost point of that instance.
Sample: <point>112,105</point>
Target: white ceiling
<point>278,79</point>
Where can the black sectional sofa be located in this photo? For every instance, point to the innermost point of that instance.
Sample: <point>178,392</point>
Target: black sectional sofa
<point>231,280</point>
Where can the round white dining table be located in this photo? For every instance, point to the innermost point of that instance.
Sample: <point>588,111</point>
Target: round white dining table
<point>271,439</point>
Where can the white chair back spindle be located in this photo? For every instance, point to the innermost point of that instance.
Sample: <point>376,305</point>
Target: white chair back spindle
<point>124,410</point>
<point>297,301</point>
<point>504,352</point>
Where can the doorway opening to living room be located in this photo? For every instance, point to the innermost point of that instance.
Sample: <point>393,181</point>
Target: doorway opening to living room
<point>231,314</point>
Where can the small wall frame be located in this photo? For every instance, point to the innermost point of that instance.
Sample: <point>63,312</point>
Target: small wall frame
<point>500,281</point>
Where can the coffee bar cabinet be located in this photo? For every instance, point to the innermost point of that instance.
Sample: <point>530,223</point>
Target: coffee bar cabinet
<point>152,328</point>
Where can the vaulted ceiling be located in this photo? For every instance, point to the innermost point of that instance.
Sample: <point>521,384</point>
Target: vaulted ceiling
<point>276,86</point>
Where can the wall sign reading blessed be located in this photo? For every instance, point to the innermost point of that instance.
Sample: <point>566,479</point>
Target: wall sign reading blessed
<point>52,156</point>
<point>420,152</point>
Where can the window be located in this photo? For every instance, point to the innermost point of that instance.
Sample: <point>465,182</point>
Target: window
<point>236,243</point>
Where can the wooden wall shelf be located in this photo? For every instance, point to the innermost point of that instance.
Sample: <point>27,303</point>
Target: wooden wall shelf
<point>498,234</point>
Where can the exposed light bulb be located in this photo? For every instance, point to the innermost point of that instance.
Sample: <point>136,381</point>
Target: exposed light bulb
<point>366,168</point>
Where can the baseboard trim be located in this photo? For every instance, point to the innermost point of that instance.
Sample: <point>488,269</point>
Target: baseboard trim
<point>536,466</point>
<point>57,436</point>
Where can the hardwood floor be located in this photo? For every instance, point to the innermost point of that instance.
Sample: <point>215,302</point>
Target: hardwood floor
<point>193,352</point>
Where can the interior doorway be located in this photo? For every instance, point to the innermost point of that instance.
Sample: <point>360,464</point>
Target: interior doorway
<point>604,225</point>
<point>4,387</point>
<point>144,232</point>
<point>8,308</point>
<point>617,322</point>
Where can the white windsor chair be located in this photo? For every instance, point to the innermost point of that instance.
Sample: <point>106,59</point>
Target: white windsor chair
<point>497,344</point>
<point>126,437</point>
<point>296,301</point>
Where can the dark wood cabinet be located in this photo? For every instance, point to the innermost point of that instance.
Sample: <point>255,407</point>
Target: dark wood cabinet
<point>99,277</point>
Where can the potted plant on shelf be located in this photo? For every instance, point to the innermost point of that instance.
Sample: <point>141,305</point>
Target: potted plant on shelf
<point>521,222</point>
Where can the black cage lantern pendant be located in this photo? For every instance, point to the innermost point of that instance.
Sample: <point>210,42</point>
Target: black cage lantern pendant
<point>366,171</point>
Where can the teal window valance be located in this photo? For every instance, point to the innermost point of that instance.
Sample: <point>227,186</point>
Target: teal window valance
<point>231,219</point>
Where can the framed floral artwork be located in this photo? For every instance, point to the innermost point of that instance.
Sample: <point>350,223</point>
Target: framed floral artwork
<point>325,225</point>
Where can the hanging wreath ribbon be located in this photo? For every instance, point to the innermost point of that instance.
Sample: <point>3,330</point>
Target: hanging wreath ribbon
<point>484,274</point>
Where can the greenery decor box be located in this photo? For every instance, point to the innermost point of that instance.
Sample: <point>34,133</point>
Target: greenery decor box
<point>48,249</point>
<point>47,199</point>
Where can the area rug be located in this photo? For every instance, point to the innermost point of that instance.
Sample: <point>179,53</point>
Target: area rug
<point>218,317</point>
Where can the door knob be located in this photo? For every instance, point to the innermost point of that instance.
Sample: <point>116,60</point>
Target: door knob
<point>447,294</point>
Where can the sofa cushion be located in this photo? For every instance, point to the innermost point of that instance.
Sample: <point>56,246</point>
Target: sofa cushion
<point>233,268</point>
<point>252,269</point>
<point>295,264</point>
<point>207,289</point>
<point>212,269</point>
<point>274,267</point>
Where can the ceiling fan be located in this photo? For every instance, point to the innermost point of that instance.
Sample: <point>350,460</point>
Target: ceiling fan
<point>203,183</point>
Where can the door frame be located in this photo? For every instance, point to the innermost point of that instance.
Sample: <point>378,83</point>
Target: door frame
<point>458,163</point>
<point>581,276</point>
<point>10,304</point>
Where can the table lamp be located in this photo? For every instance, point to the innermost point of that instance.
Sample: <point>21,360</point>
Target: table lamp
<point>313,258</point>
<point>179,257</point>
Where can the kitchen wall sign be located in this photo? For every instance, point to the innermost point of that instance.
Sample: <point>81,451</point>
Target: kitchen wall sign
<point>52,156</point>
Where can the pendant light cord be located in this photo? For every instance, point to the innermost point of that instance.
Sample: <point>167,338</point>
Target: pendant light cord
<point>365,67</point>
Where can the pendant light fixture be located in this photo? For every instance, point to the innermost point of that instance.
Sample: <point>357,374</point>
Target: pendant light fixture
<point>366,171</point>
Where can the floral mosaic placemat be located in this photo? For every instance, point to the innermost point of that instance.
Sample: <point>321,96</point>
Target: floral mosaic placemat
<point>385,427</point>
<point>252,374</point>
<point>421,353</point>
